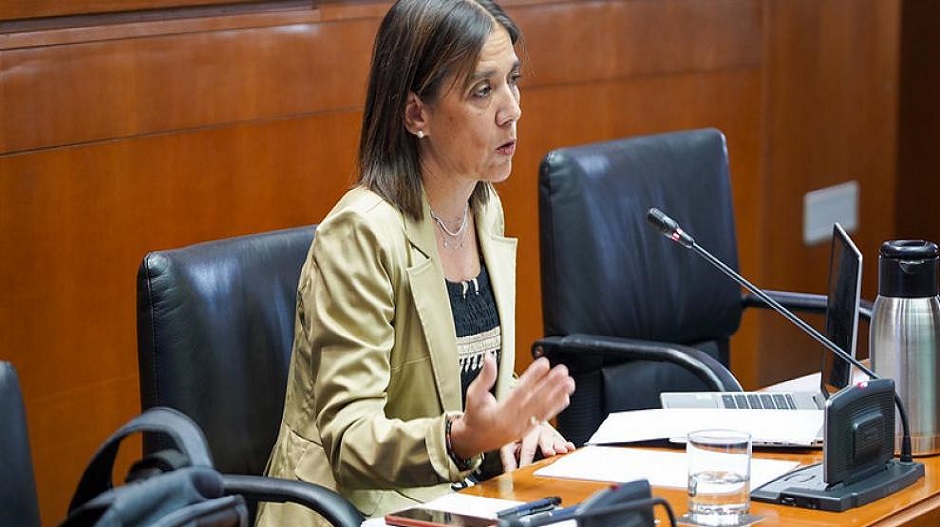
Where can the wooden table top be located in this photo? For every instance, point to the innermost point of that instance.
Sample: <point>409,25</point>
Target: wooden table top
<point>917,505</point>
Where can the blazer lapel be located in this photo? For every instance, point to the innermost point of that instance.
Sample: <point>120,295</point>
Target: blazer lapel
<point>429,294</point>
<point>433,304</point>
<point>499,254</point>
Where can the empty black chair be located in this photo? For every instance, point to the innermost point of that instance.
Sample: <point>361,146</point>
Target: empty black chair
<point>18,502</point>
<point>631,313</point>
<point>215,326</point>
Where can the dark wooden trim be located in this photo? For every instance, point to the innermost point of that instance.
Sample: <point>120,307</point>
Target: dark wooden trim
<point>31,15</point>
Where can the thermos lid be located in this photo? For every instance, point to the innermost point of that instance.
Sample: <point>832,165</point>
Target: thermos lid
<point>908,269</point>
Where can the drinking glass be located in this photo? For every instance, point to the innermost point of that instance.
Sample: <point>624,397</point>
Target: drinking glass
<point>719,477</point>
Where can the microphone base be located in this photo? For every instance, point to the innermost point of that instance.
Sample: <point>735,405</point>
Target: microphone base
<point>805,487</point>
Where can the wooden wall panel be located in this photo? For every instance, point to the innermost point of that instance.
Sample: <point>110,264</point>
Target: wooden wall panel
<point>28,9</point>
<point>919,123</point>
<point>186,78</point>
<point>637,38</point>
<point>831,117</point>
<point>80,221</point>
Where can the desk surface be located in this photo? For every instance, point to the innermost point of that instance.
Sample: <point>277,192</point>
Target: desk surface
<point>917,505</point>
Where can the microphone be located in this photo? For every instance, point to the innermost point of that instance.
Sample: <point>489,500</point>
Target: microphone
<point>627,504</point>
<point>583,515</point>
<point>613,513</point>
<point>670,228</point>
<point>866,482</point>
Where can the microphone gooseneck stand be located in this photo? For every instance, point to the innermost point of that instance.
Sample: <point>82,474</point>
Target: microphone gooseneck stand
<point>900,475</point>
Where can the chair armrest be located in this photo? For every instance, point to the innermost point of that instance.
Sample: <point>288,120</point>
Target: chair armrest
<point>804,302</point>
<point>586,352</point>
<point>336,509</point>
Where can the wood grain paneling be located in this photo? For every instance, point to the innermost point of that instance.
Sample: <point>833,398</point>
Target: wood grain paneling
<point>76,226</point>
<point>98,90</point>
<point>919,123</point>
<point>831,117</point>
<point>29,9</point>
<point>638,38</point>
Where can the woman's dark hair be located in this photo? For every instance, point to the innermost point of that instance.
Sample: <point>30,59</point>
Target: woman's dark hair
<point>420,45</point>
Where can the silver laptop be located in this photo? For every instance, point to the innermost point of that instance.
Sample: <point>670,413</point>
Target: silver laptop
<point>842,308</point>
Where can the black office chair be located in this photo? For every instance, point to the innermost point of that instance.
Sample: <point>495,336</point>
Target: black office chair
<point>19,504</point>
<point>629,312</point>
<point>215,326</point>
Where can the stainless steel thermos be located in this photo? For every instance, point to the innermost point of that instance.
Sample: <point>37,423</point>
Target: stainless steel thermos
<point>904,341</point>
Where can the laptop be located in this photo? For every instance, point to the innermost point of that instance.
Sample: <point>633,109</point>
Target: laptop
<point>842,311</point>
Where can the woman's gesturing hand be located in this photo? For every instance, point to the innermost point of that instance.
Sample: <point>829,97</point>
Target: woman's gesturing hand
<point>488,424</point>
<point>544,439</point>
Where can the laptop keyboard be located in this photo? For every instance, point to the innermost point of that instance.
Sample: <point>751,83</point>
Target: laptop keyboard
<point>759,401</point>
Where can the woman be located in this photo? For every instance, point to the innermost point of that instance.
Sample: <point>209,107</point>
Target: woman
<point>404,348</point>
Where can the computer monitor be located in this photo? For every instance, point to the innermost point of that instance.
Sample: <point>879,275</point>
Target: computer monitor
<point>842,309</point>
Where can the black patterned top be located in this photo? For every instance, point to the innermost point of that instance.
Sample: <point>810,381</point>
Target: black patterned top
<point>477,323</point>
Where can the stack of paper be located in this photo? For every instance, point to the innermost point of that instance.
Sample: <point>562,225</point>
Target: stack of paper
<point>661,468</point>
<point>789,427</point>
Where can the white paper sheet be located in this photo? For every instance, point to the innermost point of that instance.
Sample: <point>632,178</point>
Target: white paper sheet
<point>795,427</point>
<point>661,468</point>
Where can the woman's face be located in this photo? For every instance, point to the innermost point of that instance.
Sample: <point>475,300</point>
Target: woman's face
<point>471,130</point>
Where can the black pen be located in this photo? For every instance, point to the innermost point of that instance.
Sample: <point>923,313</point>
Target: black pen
<point>545,517</point>
<point>532,507</point>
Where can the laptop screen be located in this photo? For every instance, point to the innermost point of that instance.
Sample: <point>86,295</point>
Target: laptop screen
<point>842,307</point>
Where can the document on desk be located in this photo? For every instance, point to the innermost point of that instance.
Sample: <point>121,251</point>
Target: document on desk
<point>765,426</point>
<point>661,468</point>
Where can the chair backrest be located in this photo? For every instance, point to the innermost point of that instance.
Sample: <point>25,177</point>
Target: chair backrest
<point>215,326</point>
<point>18,502</point>
<point>605,271</point>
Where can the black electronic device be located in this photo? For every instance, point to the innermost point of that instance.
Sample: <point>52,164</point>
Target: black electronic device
<point>858,450</point>
<point>842,310</point>
<point>858,447</point>
<point>617,495</point>
<point>422,517</point>
<point>627,504</point>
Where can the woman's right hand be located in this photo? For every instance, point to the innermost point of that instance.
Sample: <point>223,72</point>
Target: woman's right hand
<point>487,424</point>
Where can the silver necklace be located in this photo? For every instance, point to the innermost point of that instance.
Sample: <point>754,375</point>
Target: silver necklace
<point>457,235</point>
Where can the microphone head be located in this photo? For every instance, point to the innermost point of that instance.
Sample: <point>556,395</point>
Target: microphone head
<point>669,227</point>
<point>663,223</point>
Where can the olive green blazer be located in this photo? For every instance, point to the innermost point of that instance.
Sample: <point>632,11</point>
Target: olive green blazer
<point>374,366</point>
